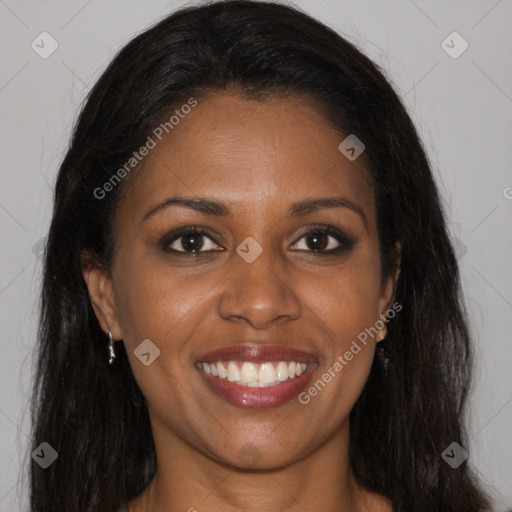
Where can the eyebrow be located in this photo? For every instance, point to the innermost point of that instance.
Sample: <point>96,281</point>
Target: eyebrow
<point>199,204</point>
<point>312,205</point>
<point>221,209</point>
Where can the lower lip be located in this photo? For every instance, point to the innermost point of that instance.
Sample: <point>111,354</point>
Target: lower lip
<point>256,398</point>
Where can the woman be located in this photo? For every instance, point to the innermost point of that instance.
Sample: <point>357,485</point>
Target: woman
<point>250,300</point>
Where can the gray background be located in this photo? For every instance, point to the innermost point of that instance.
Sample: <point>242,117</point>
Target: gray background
<point>462,107</point>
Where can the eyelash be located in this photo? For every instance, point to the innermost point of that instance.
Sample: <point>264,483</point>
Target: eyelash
<point>346,243</point>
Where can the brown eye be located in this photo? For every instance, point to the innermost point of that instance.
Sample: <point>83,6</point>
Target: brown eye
<point>325,241</point>
<point>318,241</point>
<point>189,240</point>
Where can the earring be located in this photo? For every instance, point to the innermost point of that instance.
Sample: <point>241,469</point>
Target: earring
<point>380,336</point>
<point>111,352</point>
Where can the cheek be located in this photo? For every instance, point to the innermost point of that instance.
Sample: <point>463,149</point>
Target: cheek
<point>347,300</point>
<point>156,300</point>
<point>344,308</point>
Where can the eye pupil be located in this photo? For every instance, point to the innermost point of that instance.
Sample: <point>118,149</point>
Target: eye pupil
<point>192,242</point>
<point>319,241</point>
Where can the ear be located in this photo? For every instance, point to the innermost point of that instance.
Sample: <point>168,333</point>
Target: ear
<point>101,295</point>
<point>387,292</point>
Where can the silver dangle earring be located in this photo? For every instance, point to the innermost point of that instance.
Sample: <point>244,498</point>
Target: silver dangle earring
<point>111,352</point>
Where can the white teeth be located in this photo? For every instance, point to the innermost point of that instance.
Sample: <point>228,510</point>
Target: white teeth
<point>267,373</point>
<point>233,372</point>
<point>248,373</point>
<point>222,371</point>
<point>282,371</point>
<point>254,375</point>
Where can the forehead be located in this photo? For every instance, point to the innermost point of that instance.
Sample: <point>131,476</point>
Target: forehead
<point>251,154</point>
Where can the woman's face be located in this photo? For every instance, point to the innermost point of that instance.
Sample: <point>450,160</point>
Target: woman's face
<point>262,278</point>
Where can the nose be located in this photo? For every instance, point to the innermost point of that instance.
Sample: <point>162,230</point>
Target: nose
<point>259,293</point>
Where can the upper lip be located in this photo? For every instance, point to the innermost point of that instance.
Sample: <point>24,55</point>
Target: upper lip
<point>258,354</point>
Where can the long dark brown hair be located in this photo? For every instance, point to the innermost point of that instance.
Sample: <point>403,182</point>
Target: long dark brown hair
<point>413,404</point>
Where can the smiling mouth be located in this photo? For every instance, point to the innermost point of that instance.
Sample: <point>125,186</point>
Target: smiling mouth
<point>249,374</point>
<point>256,376</point>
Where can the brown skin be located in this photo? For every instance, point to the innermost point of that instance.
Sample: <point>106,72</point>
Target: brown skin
<point>257,157</point>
